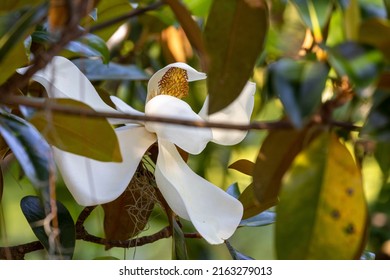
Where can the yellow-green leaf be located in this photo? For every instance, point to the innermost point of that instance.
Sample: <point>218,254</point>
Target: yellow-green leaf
<point>234,37</point>
<point>90,137</point>
<point>322,211</point>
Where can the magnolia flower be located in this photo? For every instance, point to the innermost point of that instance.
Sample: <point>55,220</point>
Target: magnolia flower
<point>214,213</point>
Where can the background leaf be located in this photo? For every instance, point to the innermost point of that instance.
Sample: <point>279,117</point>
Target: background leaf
<point>96,70</point>
<point>29,147</point>
<point>89,137</point>
<point>262,219</point>
<point>299,85</point>
<point>35,213</point>
<point>234,39</point>
<point>322,8</point>
<point>90,45</point>
<point>244,166</point>
<point>322,215</point>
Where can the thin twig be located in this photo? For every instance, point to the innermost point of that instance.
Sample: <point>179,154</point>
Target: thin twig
<point>64,109</point>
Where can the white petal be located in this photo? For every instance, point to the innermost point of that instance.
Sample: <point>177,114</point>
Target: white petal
<point>213,212</point>
<point>193,75</point>
<point>123,107</point>
<point>94,182</point>
<point>238,112</point>
<point>62,79</point>
<point>190,139</point>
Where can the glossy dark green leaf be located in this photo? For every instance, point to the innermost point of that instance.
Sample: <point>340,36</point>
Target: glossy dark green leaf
<point>299,85</point>
<point>236,255</point>
<point>90,45</point>
<point>277,152</point>
<point>29,147</point>
<point>375,32</point>
<point>321,213</point>
<point>234,39</point>
<point>179,248</point>
<point>96,70</point>
<point>90,137</point>
<point>315,12</point>
<point>362,64</point>
<point>378,121</point>
<point>262,219</point>
<point>14,28</point>
<point>368,256</point>
<point>63,246</point>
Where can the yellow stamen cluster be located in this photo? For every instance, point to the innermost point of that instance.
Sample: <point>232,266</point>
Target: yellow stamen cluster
<point>174,83</point>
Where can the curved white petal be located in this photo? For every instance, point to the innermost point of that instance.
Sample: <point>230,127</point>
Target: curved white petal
<point>213,212</point>
<point>123,107</point>
<point>193,75</point>
<point>94,182</point>
<point>238,112</point>
<point>62,79</point>
<point>190,139</point>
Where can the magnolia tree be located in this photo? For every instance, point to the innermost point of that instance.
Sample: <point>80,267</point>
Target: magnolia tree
<point>203,123</point>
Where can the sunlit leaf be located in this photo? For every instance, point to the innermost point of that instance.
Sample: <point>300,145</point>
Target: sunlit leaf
<point>179,248</point>
<point>299,85</point>
<point>190,27</point>
<point>275,157</point>
<point>127,216</point>
<point>89,137</point>
<point>320,15</point>
<point>262,219</point>
<point>29,147</point>
<point>108,10</point>
<point>90,45</point>
<point>60,245</point>
<point>234,39</point>
<point>362,64</point>
<point>14,28</point>
<point>96,70</point>
<point>244,166</point>
<point>236,255</point>
<point>352,20</point>
<point>322,214</point>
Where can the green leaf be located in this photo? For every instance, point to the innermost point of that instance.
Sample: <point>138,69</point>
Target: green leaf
<point>322,211</point>
<point>14,28</point>
<point>352,20</point>
<point>179,248</point>
<point>299,85</point>
<point>63,246</point>
<point>89,137</point>
<point>106,258</point>
<point>382,156</point>
<point>108,10</point>
<point>96,70</point>
<point>243,165</point>
<point>262,219</point>
<point>11,5</point>
<point>362,64</point>
<point>236,255</point>
<point>234,39</point>
<point>320,14</point>
<point>368,256</point>
<point>275,157</point>
<point>252,206</point>
<point>29,147</point>
<point>1,184</point>
<point>375,32</point>
<point>90,45</point>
